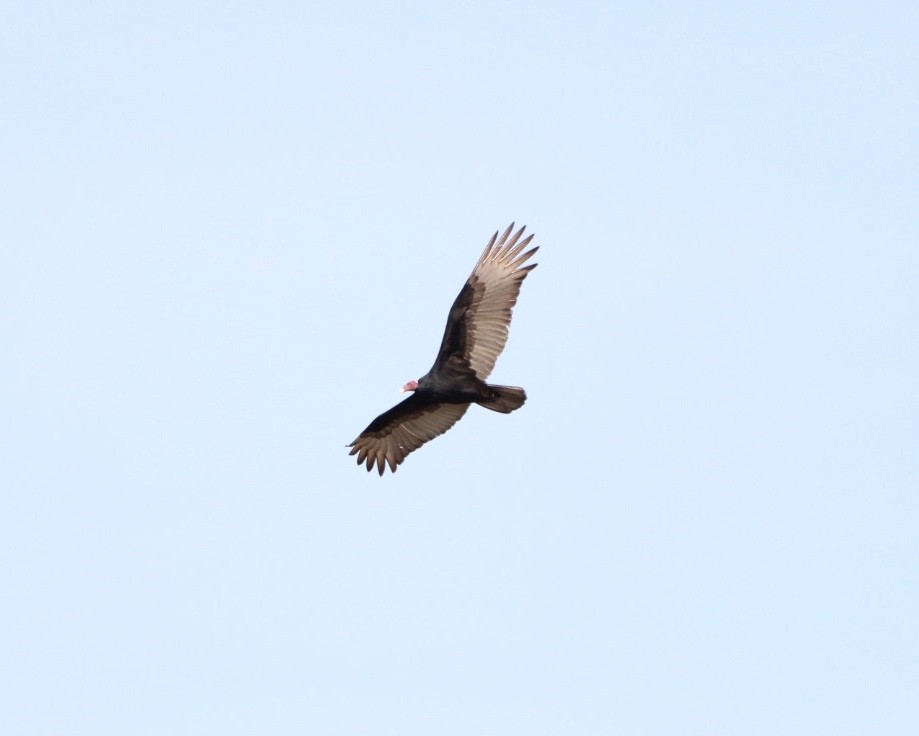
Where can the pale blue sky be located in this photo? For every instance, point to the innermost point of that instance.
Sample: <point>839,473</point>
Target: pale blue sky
<point>229,235</point>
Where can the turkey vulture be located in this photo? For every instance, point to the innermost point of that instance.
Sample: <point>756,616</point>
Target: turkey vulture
<point>474,338</point>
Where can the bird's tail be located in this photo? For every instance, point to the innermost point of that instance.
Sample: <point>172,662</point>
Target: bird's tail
<point>504,399</point>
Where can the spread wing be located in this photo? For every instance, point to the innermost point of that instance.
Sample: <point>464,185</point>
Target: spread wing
<point>403,429</point>
<point>477,325</point>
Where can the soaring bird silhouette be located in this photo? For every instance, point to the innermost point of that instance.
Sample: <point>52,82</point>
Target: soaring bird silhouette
<point>475,335</point>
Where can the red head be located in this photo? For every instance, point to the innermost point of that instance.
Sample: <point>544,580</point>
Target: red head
<point>410,386</point>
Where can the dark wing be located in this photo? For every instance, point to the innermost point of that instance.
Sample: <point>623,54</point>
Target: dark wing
<point>403,429</point>
<point>476,330</point>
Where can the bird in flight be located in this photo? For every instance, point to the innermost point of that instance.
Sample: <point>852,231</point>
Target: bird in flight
<point>475,335</point>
